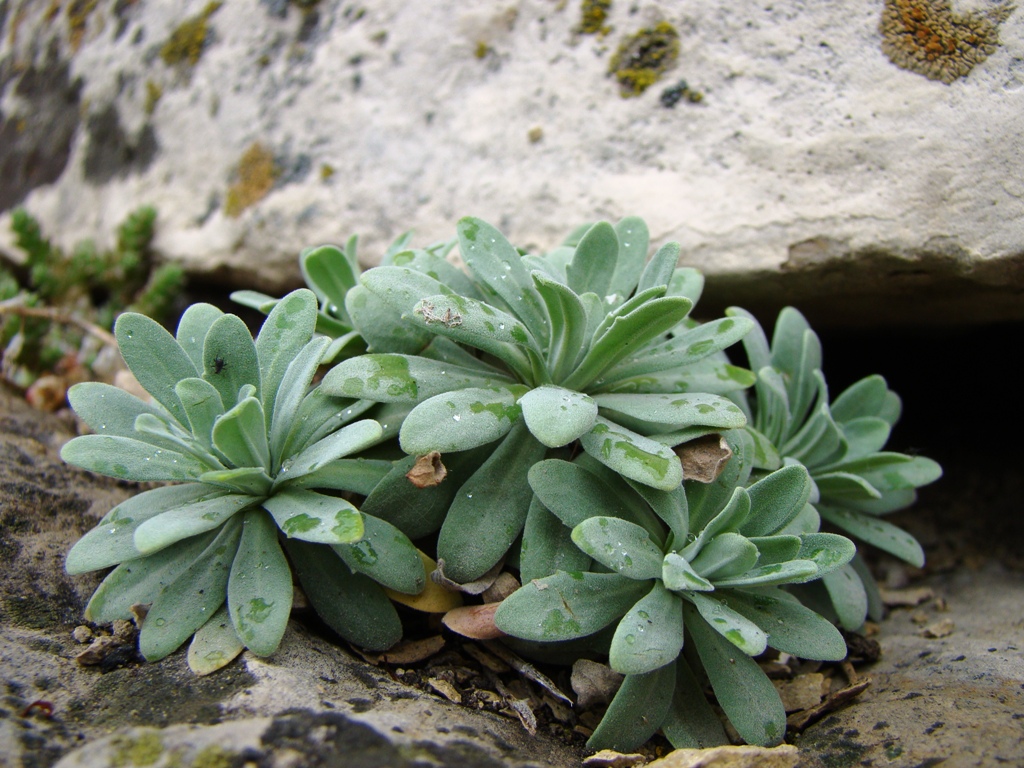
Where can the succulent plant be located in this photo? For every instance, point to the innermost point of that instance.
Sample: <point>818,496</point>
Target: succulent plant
<point>259,460</point>
<point>856,482</point>
<point>584,346</point>
<point>690,577</point>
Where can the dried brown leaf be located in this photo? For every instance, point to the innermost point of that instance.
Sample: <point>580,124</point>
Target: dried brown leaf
<point>941,628</point>
<point>412,651</point>
<point>609,758</point>
<point>445,688</point>
<point>474,621</point>
<point>593,683</point>
<point>704,458</point>
<point>428,471</point>
<point>904,598</point>
<point>470,587</point>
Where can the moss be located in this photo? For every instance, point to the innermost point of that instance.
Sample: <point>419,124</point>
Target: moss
<point>186,43</point>
<point>154,91</point>
<point>78,13</point>
<point>257,172</point>
<point>644,57</point>
<point>143,750</point>
<point>927,37</point>
<point>593,15</point>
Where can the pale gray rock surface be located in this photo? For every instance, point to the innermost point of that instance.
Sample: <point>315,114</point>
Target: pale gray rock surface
<point>813,171</point>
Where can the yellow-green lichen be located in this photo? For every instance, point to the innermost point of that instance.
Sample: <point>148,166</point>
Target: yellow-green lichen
<point>927,37</point>
<point>78,13</point>
<point>257,172</point>
<point>644,57</point>
<point>326,171</point>
<point>593,17</point>
<point>153,93</point>
<point>213,756</point>
<point>481,50</point>
<point>186,43</point>
<point>139,751</point>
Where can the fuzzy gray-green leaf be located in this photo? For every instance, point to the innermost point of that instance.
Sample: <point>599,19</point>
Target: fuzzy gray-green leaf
<point>677,411</point>
<point>650,635</point>
<point>557,416</point>
<point>129,459</point>
<point>776,499</point>
<point>791,627</point>
<point>346,441</point>
<point>229,358</point>
<point>403,378</point>
<point>189,520</point>
<point>622,546</point>
<point>203,406</point>
<point>240,435</point>
<point>260,585</point>
<point>194,325</point>
<point>634,456</point>
<point>109,410</point>
<point>386,555</point>
<point>636,712</point>
<point>567,605</point>
<point>460,420</point>
<point>594,260</point>
<point>876,532</point>
<point>287,329</point>
<point>312,516</point>
<point>215,644</point>
<point>156,359</point>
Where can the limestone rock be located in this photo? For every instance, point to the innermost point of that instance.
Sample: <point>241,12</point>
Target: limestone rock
<point>785,756</point>
<point>812,169</point>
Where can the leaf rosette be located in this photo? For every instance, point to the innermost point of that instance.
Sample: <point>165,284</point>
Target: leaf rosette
<point>690,579</point>
<point>841,442</point>
<point>258,460</point>
<point>585,346</point>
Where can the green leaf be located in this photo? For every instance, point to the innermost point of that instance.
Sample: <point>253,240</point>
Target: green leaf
<point>360,476</point>
<point>687,282</point>
<point>439,269</point>
<point>567,605</point>
<point>866,397</point>
<point>889,501</point>
<point>791,627</point>
<point>351,604</point>
<point>726,555</point>
<point>730,518</point>
<point>567,339</point>
<point>707,500</point>
<point>633,456</point>
<point>312,516</point>
<point>291,393</point>
<point>346,441</point>
<point>670,506</point>
<point>764,454</point>
<point>660,268</point>
<point>113,539</point>
<point>188,520</point>
<point>490,509</point>
<point>864,436</point>
<point>676,411</point>
<point>840,487</point>
<point>626,336</point>
<point>557,416</point>
<point>195,324</point>
<point>241,435</point>
<point>460,420</point>
<point>499,270</point>
<point>547,545</point>
<point>790,572</point>
<point>109,410</point>
<point>129,459</point>
<point>260,585</point>
<point>650,635</point>
<point>745,693</point>
<point>733,626</point>
<point>636,712</point>
<point>387,556</point>
<point>287,329</point>
<point>828,551</point>
<point>684,348</point>
<point>679,576</point>
<point>776,499</point>
<point>142,579</point>
<point>203,406</point>
<point>330,275</point>
<point>215,644</point>
<point>403,378</point>
<point>879,533</point>
<point>633,240</point>
<point>483,327</point>
<point>622,546</point>
<point>381,324</point>
<point>249,480</point>
<point>192,598</point>
<point>876,609</point>
<point>155,358</point>
<point>895,471</point>
<point>593,263</point>
<point>229,358</point>
<point>691,723</point>
<point>261,302</point>
<point>755,343</point>
<point>708,376</point>
<point>318,416</point>
<point>773,414</point>
<point>849,598</point>
<point>776,549</point>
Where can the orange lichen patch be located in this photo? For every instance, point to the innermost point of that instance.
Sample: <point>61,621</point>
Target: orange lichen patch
<point>257,172</point>
<point>927,37</point>
<point>643,58</point>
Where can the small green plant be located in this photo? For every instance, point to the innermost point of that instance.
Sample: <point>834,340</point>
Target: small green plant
<point>52,300</point>
<point>585,348</point>
<point>841,442</point>
<point>256,455</point>
<point>697,568</point>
